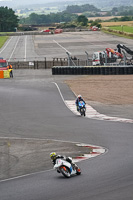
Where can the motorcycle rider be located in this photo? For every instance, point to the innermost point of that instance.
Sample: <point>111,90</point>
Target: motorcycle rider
<point>54,157</point>
<point>79,98</point>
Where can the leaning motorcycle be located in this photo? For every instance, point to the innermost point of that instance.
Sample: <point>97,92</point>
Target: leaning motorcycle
<point>66,168</point>
<point>82,108</point>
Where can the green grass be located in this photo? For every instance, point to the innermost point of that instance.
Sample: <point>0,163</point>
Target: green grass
<point>3,39</point>
<point>128,29</point>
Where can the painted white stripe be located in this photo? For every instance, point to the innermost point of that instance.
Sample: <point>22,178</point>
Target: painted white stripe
<point>17,177</point>
<point>93,114</point>
<point>63,97</point>
<point>61,46</point>
<point>14,49</point>
<point>25,48</point>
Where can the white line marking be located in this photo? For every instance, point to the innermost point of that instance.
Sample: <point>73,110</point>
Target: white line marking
<point>59,92</point>
<point>14,48</point>
<point>17,177</point>
<point>25,48</point>
<point>61,46</point>
<point>73,111</point>
<point>6,45</point>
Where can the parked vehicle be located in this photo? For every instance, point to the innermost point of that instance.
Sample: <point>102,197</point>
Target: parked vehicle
<point>58,31</point>
<point>45,31</point>
<point>3,64</point>
<point>107,56</point>
<point>94,28</point>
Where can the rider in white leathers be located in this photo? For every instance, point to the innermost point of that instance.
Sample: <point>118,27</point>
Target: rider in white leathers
<point>54,157</point>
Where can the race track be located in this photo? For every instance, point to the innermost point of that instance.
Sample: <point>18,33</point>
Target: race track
<point>31,107</point>
<point>37,47</point>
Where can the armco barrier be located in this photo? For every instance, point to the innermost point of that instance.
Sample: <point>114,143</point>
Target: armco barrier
<point>91,70</point>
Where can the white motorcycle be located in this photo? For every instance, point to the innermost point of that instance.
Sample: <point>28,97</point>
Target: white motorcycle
<point>66,168</point>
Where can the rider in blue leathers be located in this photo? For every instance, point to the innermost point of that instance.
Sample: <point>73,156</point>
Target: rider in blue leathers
<point>79,98</point>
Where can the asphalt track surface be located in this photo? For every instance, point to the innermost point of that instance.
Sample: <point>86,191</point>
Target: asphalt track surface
<point>37,47</point>
<point>31,107</point>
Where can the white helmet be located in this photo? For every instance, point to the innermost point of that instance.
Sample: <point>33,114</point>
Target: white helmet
<point>79,96</point>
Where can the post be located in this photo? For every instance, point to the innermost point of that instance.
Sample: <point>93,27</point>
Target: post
<point>70,59</point>
<point>105,58</point>
<point>122,28</point>
<point>45,63</point>
<point>87,57</point>
<point>124,56</point>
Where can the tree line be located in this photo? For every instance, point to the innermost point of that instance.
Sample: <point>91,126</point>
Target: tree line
<point>82,8</point>
<point>46,19</point>
<point>8,19</point>
<point>91,11</point>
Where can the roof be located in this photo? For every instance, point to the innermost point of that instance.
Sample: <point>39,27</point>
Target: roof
<point>2,61</point>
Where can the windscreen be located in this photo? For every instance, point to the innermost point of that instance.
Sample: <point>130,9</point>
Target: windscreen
<point>3,64</point>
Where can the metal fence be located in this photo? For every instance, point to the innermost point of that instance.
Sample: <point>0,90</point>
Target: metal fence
<point>46,64</point>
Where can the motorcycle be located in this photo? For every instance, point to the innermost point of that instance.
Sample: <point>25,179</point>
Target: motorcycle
<point>67,169</point>
<point>82,108</point>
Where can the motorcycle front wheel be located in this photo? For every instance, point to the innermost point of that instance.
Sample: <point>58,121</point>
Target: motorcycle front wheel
<point>82,112</point>
<point>65,171</point>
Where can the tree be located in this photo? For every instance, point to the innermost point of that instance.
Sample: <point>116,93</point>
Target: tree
<point>83,20</point>
<point>96,23</point>
<point>8,19</point>
<point>114,11</point>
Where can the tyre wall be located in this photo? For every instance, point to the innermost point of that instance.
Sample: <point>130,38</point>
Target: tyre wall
<point>89,70</point>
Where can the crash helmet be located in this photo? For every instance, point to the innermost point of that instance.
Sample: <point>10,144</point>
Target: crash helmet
<point>52,155</point>
<point>79,96</point>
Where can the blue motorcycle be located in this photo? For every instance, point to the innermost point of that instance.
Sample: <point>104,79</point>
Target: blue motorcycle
<point>81,108</point>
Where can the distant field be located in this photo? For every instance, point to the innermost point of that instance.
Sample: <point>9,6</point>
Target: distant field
<point>103,18</point>
<point>3,40</point>
<point>127,23</point>
<point>128,29</point>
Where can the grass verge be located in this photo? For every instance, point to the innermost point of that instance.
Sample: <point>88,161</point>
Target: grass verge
<point>128,29</point>
<point>118,33</point>
<point>3,39</point>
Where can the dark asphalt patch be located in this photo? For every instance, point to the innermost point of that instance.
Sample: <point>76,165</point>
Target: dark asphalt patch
<point>24,156</point>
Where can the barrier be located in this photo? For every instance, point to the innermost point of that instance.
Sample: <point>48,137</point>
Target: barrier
<point>4,74</point>
<point>1,74</point>
<point>92,70</point>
